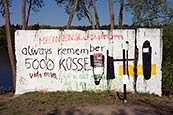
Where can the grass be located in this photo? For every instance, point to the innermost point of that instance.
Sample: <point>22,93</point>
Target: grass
<point>54,102</point>
<point>42,103</point>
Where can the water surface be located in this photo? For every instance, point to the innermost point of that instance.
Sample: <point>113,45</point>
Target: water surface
<point>6,81</point>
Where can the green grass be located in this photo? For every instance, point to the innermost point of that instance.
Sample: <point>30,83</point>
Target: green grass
<point>54,102</point>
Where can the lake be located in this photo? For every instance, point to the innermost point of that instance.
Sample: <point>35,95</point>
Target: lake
<point>6,82</point>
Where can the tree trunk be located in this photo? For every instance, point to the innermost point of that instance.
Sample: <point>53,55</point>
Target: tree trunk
<point>71,15</point>
<point>29,12</point>
<point>90,17</point>
<point>111,15</point>
<point>96,15</point>
<point>23,14</point>
<point>121,14</point>
<point>9,43</point>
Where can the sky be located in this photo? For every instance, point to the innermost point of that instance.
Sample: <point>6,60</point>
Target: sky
<point>54,15</point>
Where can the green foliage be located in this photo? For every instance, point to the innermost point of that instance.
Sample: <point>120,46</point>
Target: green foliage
<point>3,41</point>
<point>2,10</point>
<point>80,10</point>
<point>36,4</point>
<point>150,12</point>
<point>167,64</point>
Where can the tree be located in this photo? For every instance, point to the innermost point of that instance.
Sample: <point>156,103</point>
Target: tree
<point>9,42</point>
<point>121,13</point>
<point>88,14</point>
<point>150,12</point>
<point>29,11</point>
<point>96,15</point>
<point>167,62</point>
<point>80,7</point>
<point>84,11</point>
<point>70,8</point>
<point>72,14</point>
<point>111,15</point>
<point>2,11</point>
<point>32,5</point>
<point>23,14</point>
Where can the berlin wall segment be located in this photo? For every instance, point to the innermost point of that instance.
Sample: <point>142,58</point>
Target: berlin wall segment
<point>75,60</point>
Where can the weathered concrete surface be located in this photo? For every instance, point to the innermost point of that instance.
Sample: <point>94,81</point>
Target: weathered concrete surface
<point>75,60</point>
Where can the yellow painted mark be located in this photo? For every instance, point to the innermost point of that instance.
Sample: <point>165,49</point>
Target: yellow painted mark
<point>139,69</point>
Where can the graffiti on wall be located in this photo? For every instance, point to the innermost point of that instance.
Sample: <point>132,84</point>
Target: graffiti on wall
<point>85,60</point>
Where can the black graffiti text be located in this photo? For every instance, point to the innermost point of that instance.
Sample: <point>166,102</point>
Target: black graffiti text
<point>36,51</point>
<point>96,48</point>
<point>39,64</point>
<point>76,51</point>
<point>75,64</point>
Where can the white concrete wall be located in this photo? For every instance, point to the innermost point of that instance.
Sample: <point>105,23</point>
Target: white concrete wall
<point>154,36</point>
<point>55,60</point>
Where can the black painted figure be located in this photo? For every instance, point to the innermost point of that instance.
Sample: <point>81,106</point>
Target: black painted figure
<point>146,58</point>
<point>110,67</point>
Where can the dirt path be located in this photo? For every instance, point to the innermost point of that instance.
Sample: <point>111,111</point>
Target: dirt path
<point>5,98</point>
<point>111,110</point>
<point>118,110</point>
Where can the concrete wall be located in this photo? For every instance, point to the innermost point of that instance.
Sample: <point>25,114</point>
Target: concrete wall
<point>75,60</point>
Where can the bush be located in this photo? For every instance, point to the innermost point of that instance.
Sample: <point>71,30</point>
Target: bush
<point>167,62</point>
